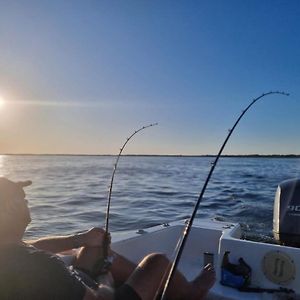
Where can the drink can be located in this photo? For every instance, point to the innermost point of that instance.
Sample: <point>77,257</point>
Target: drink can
<point>208,258</point>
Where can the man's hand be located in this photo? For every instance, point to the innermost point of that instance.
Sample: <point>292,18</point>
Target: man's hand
<point>92,238</point>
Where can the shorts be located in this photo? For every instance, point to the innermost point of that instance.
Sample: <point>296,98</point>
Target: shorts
<point>84,277</point>
<point>126,292</point>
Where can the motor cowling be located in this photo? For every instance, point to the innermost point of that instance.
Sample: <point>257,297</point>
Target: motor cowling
<point>286,215</point>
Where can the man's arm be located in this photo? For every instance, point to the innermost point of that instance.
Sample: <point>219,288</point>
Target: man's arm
<point>91,238</point>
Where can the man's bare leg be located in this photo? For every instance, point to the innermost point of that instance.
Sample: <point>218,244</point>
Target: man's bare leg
<point>121,267</point>
<point>203,282</point>
<point>149,277</point>
<point>87,257</point>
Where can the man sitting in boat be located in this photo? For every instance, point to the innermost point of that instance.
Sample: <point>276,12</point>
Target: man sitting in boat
<point>31,270</point>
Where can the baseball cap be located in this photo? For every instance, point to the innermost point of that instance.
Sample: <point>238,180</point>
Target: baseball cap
<point>10,190</point>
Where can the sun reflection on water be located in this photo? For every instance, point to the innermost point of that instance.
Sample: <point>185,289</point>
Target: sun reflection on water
<point>2,159</point>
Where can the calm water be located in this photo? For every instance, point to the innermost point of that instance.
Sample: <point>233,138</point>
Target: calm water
<point>69,192</point>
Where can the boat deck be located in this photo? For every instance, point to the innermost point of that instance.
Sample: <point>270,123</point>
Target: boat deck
<point>273,266</point>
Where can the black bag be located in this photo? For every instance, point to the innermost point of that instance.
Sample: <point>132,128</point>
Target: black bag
<point>235,275</point>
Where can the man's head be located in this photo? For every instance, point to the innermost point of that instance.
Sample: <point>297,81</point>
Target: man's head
<point>14,212</point>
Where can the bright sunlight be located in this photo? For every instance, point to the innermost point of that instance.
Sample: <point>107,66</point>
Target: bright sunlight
<point>2,102</point>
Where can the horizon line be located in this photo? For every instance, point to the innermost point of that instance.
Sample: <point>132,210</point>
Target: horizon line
<point>158,155</point>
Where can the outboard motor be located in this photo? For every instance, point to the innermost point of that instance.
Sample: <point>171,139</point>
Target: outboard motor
<point>286,216</point>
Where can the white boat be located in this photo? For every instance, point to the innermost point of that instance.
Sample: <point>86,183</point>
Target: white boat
<point>274,268</point>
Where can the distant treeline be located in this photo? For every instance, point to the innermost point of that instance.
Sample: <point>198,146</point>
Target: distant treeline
<point>261,155</point>
<point>225,155</point>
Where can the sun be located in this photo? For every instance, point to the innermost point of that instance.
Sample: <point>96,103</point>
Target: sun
<point>2,102</point>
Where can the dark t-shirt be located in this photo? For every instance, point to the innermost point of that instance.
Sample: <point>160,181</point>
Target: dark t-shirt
<point>29,273</point>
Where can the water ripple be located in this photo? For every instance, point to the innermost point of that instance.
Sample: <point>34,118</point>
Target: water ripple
<point>69,193</point>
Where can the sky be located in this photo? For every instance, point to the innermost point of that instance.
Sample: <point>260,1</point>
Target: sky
<point>78,77</point>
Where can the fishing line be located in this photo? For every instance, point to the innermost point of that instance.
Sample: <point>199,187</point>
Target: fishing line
<point>106,240</point>
<point>190,221</point>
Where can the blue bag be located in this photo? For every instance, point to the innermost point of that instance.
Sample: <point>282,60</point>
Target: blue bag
<point>235,275</point>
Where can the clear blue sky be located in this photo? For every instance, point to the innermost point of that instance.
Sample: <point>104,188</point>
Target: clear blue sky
<point>80,76</point>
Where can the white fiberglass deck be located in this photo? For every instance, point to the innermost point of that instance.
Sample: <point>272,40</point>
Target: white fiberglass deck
<point>217,238</point>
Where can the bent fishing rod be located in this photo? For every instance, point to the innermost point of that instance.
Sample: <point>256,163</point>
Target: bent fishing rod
<point>106,240</point>
<point>181,243</point>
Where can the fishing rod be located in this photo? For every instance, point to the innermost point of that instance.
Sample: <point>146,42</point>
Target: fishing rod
<point>106,240</point>
<point>181,243</point>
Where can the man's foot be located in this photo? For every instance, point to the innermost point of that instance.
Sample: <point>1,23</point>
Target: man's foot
<point>203,282</point>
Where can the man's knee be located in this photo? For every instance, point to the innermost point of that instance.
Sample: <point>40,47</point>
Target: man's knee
<point>155,260</point>
<point>149,274</point>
